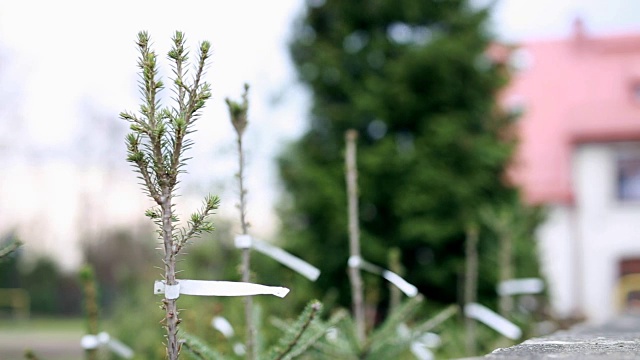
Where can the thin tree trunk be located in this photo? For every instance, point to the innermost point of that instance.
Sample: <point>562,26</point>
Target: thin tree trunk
<point>246,259</point>
<point>471,286</point>
<point>395,265</point>
<point>354,235</point>
<point>170,305</point>
<point>91,308</point>
<point>505,304</point>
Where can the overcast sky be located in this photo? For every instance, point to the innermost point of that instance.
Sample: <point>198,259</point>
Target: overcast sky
<point>66,61</point>
<point>69,62</point>
<point>521,19</point>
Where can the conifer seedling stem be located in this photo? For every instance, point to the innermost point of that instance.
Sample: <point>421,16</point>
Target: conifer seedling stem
<point>471,284</point>
<point>239,119</point>
<point>505,303</point>
<point>246,259</point>
<point>89,286</point>
<point>357,292</point>
<point>395,265</point>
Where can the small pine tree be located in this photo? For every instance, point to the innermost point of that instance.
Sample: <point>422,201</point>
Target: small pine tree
<point>156,147</point>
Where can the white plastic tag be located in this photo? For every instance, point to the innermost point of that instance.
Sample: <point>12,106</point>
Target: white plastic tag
<point>243,241</point>
<point>395,279</point>
<point>239,349</point>
<point>354,261</point>
<point>222,288</point>
<point>293,262</point>
<point>493,320</point>
<point>400,283</point>
<point>421,352</point>
<point>223,325</point>
<point>172,291</point>
<point>90,342</point>
<point>119,348</point>
<point>421,347</point>
<point>521,286</point>
<point>430,340</point>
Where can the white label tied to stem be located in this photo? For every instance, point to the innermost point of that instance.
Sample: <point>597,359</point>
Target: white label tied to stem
<point>421,352</point>
<point>521,286</point>
<point>293,262</point>
<point>216,288</point>
<point>395,279</point>
<point>422,345</point>
<point>89,342</point>
<point>493,320</point>
<point>223,325</point>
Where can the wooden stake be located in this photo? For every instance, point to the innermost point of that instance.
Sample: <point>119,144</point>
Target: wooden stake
<point>471,285</point>
<point>357,292</point>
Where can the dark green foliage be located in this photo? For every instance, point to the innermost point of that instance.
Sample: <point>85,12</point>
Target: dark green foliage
<point>51,291</point>
<point>412,78</point>
<point>42,283</point>
<point>8,245</point>
<point>297,338</point>
<point>9,274</point>
<point>385,342</point>
<point>119,257</point>
<point>303,333</point>
<point>198,349</point>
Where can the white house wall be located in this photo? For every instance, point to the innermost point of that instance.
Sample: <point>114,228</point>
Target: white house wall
<point>607,229</point>
<point>555,249</point>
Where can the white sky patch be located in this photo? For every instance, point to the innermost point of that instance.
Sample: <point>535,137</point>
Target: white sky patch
<point>517,20</point>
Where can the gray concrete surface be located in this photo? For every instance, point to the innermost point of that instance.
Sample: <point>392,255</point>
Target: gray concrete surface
<point>617,339</point>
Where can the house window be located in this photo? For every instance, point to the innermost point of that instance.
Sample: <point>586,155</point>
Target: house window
<point>628,168</point>
<point>635,92</point>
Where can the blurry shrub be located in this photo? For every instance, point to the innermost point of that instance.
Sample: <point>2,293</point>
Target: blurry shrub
<point>51,291</point>
<point>9,273</point>
<point>120,258</point>
<point>42,284</point>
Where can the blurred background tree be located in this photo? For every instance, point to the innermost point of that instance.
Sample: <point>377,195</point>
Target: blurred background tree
<point>414,79</point>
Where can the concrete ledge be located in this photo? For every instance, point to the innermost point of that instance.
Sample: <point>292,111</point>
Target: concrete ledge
<point>617,339</point>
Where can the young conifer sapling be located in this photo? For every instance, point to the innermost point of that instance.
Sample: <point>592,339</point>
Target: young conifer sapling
<point>239,119</point>
<point>156,148</point>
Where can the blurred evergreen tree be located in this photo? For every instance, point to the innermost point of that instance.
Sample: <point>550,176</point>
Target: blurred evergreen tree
<point>412,76</point>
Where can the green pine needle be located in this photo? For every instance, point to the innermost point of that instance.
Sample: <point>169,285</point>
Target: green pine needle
<point>198,349</point>
<point>294,342</point>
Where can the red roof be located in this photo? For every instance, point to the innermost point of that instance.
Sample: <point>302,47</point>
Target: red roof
<point>576,90</point>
